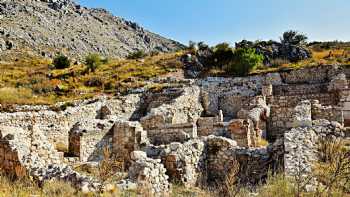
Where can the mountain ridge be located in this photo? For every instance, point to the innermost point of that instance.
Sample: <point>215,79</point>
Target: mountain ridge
<point>48,27</point>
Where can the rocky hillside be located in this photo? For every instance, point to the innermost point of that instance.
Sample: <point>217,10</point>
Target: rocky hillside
<point>46,27</point>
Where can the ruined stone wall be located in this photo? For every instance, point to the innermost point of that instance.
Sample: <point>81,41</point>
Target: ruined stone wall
<point>214,90</point>
<point>301,144</point>
<point>280,120</point>
<point>327,98</point>
<point>9,157</point>
<point>185,163</point>
<point>165,134</point>
<point>127,137</point>
<point>313,75</point>
<point>186,108</point>
<point>282,108</point>
<point>225,159</point>
<point>331,113</point>
<point>89,138</point>
<point>149,174</point>
<point>56,125</point>
<point>211,126</point>
<point>299,89</point>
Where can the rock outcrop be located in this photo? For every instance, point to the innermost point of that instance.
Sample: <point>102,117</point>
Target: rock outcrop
<point>47,27</point>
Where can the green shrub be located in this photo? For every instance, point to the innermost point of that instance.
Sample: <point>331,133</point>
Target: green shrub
<point>137,55</point>
<point>294,37</point>
<point>93,61</point>
<point>223,54</point>
<point>61,62</point>
<point>244,61</point>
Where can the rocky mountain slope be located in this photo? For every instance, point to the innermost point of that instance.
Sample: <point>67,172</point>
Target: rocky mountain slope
<point>46,27</point>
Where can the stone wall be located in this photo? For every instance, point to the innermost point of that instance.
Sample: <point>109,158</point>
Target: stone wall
<point>185,108</point>
<point>149,174</point>
<point>88,139</point>
<point>225,159</point>
<point>319,74</point>
<point>331,113</point>
<point>165,134</point>
<point>185,163</point>
<point>211,126</point>
<point>301,144</point>
<point>299,89</point>
<point>214,90</point>
<point>127,137</point>
<point>56,125</point>
<point>28,152</point>
<point>282,108</point>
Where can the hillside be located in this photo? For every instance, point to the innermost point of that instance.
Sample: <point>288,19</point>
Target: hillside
<point>47,27</point>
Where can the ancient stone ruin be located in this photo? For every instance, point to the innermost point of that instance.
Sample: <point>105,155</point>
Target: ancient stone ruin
<point>194,134</point>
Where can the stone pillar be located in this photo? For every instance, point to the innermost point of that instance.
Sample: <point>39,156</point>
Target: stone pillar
<point>240,130</point>
<point>127,137</point>
<point>267,90</point>
<point>220,116</point>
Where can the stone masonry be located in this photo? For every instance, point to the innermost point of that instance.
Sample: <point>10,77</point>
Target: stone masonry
<point>198,134</point>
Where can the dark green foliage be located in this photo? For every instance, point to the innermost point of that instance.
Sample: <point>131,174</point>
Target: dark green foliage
<point>294,37</point>
<point>61,62</point>
<point>137,55</point>
<point>223,54</point>
<point>202,46</point>
<point>244,61</point>
<point>93,61</point>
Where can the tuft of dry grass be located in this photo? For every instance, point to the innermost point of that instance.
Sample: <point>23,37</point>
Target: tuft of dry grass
<point>109,167</point>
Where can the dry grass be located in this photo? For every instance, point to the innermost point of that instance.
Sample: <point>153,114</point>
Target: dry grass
<point>25,188</point>
<point>319,57</point>
<point>333,171</point>
<point>109,167</point>
<point>31,80</point>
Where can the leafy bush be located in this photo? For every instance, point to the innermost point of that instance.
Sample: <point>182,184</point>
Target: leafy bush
<point>93,61</point>
<point>244,61</point>
<point>61,62</point>
<point>223,54</point>
<point>294,37</point>
<point>137,55</point>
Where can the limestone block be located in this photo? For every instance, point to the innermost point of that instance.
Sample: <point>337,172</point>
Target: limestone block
<point>267,90</point>
<point>302,115</point>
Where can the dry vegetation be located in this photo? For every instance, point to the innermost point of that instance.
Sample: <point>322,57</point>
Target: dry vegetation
<point>32,80</point>
<point>340,56</point>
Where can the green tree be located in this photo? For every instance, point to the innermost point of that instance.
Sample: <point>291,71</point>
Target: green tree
<point>93,61</point>
<point>61,62</point>
<point>137,55</point>
<point>223,54</point>
<point>244,61</point>
<point>294,37</point>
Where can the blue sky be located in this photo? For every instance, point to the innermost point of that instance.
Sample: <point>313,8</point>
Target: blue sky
<point>215,21</point>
